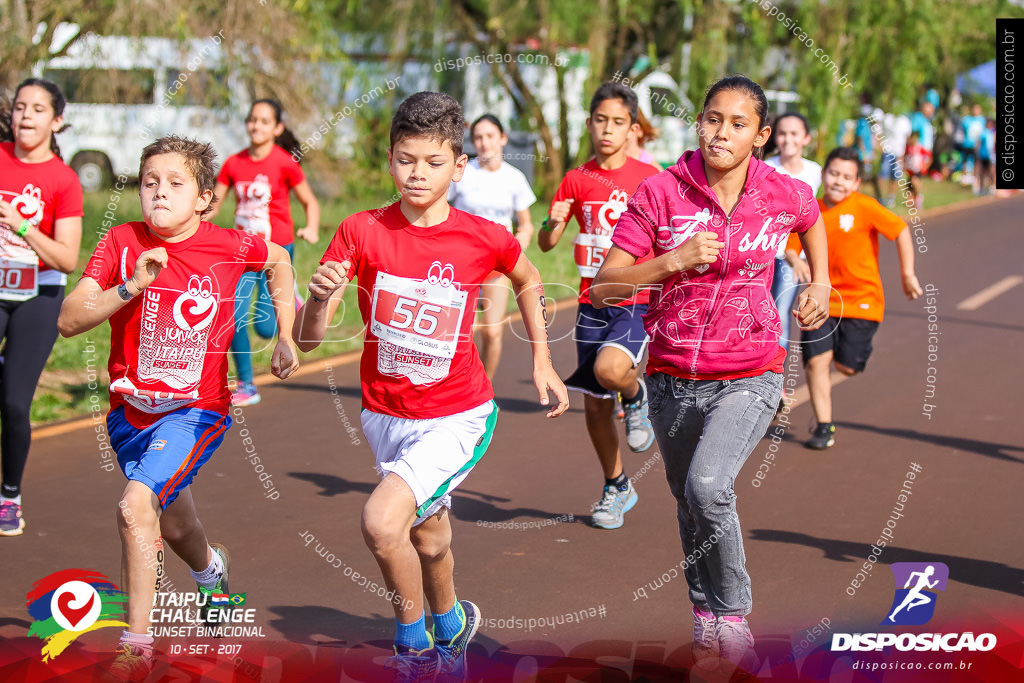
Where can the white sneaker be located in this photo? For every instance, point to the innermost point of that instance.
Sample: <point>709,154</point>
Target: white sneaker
<point>639,432</point>
<point>705,641</point>
<point>610,511</point>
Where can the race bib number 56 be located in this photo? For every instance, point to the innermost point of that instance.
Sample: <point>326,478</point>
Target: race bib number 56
<point>417,315</point>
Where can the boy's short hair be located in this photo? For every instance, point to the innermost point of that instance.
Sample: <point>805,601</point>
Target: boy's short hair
<point>200,159</point>
<point>610,90</point>
<point>432,115</point>
<point>844,154</point>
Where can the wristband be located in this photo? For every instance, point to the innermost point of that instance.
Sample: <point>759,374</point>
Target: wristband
<point>319,301</point>
<point>545,225</point>
<point>122,291</point>
<point>23,228</point>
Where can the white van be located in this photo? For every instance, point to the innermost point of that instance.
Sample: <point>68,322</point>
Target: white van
<point>124,92</point>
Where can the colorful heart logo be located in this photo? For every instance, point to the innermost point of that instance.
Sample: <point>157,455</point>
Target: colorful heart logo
<point>75,605</point>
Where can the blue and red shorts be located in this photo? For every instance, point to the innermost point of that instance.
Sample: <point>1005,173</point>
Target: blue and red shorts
<point>166,455</point>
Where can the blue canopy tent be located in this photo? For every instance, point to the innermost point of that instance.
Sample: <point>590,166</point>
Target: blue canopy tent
<point>981,80</point>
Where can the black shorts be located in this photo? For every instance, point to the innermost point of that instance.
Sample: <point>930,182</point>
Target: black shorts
<point>848,338</point>
<point>596,328</point>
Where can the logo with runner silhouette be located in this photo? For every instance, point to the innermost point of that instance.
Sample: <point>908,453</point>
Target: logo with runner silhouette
<point>916,586</point>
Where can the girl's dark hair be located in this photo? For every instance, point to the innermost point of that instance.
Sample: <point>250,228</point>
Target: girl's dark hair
<point>795,115</point>
<point>751,90</point>
<point>286,140</point>
<point>57,101</point>
<point>490,118</point>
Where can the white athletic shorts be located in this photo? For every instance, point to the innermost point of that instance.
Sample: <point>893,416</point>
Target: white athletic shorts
<point>432,456</point>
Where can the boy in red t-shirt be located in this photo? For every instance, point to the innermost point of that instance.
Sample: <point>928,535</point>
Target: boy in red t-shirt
<point>171,318</point>
<point>853,222</point>
<point>610,342</point>
<point>429,409</point>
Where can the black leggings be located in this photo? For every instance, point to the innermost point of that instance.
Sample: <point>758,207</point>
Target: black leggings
<point>29,329</point>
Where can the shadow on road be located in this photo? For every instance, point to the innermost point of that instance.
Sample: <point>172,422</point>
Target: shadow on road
<point>350,391</point>
<point>470,509</point>
<point>990,450</point>
<point>970,571</point>
<point>331,485</point>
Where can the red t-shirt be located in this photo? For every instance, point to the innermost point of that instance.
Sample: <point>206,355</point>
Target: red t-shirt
<point>417,296</point>
<point>173,338</point>
<point>600,197</point>
<point>42,194</point>
<point>261,188</point>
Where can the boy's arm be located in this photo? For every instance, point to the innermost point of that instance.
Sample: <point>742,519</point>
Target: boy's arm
<point>812,311</point>
<point>548,236</point>
<point>88,305</point>
<point>532,305</point>
<point>326,288</point>
<point>281,283</point>
<point>905,249</point>
<point>310,233</point>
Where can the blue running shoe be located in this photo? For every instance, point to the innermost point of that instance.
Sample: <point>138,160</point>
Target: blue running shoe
<point>451,654</point>
<point>413,666</point>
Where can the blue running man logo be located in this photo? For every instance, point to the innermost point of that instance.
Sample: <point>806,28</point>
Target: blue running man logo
<point>914,603</point>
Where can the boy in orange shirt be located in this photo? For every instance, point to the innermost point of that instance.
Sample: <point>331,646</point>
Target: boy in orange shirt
<point>853,222</point>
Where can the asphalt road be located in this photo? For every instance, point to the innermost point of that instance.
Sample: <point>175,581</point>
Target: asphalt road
<point>562,600</point>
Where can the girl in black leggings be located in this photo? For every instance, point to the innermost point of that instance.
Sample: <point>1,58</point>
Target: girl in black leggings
<point>40,232</point>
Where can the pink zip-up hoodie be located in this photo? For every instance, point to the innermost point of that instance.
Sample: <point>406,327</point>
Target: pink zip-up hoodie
<point>719,317</point>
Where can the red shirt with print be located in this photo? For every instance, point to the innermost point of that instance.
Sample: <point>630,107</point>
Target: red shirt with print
<point>168,345</point>
<point>417,295</point>
<point>42,193</point>
<point>600,197</point>
<point>261,188</point>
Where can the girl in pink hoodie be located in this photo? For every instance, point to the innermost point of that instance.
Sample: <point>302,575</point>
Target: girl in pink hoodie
<point>714,222</point>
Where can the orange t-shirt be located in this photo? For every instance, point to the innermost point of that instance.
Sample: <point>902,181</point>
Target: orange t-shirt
<point>852,227</point>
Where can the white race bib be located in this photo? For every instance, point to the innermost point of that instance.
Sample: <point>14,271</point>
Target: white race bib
<point>19,280</point>
<point>590,251</point>
<point>418,323</point>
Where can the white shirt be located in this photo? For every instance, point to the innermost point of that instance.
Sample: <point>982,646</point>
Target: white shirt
<point>810,173</point>
<point>494,195</point>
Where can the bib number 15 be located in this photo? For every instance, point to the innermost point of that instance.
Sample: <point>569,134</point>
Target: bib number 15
<point>419,316</point>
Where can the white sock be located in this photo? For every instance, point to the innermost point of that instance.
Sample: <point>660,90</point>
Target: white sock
<point>208,577</point>
<point>16,500</point>
<point>140,642</point>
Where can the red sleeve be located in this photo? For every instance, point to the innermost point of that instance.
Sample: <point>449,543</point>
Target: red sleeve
<point>884,220</point>
<point>343,246</point>
<point>510,249</point>
<point>225,173</point>
<point>635,231</point>
<point>256,252</point>
<point>292,174</point>
<point>69,198</point>
<point>104,264</point>
<point>564,191</point>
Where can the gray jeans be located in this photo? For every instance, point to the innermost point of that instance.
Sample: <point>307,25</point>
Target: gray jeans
<point>706,430</point>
